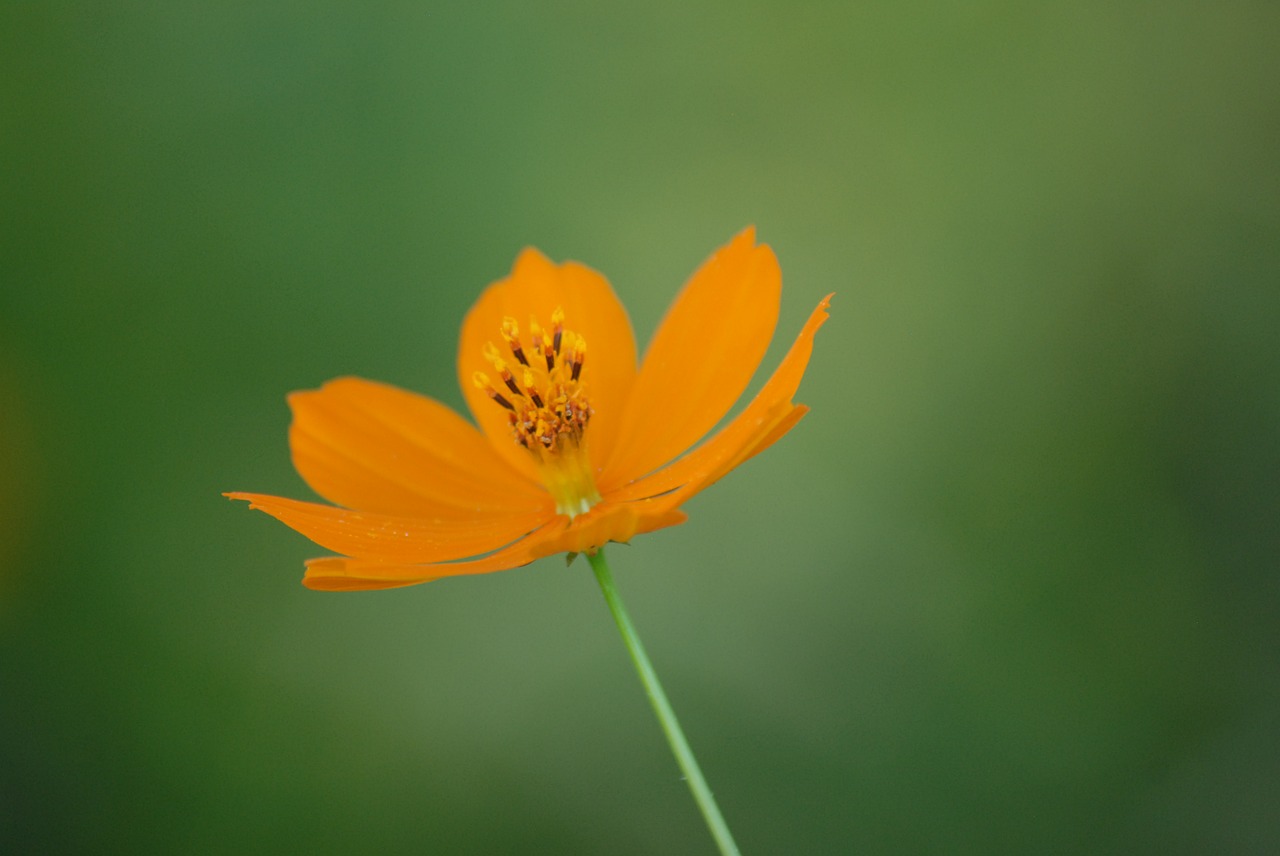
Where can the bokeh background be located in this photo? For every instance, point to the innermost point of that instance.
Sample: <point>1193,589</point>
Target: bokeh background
<point>1010,588</point>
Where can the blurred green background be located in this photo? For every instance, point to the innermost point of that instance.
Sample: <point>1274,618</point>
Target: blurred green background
<point>1010,588</point>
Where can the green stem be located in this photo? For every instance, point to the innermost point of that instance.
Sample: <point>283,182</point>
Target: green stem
<point>666,716</point>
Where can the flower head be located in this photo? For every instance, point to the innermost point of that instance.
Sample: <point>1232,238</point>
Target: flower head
<point>576,447</point>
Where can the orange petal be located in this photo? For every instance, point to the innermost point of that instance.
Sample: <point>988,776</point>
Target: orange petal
<point>336,580</point>
<point>536,288</point>
<point>783,426</point>
<point>610,522</point>
<point>337,573</point>
<point>385,538</point>
<point>701,359</point>
<point>374,447</point>
<point>769,415</point>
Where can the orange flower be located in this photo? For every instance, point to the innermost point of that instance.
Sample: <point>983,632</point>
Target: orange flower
<point>575,447</point>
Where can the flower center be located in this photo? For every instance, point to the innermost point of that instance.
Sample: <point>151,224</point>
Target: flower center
<point>546,402</point>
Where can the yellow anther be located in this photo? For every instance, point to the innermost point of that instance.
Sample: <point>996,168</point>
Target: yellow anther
<point>511,335</point>
<point>577,357</point>
<point>490,352</point>
<point>542,342</point>
<point>481,380</point>
<point>557,329</point>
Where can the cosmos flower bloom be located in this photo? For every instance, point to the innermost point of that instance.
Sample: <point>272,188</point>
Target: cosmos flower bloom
<point>576,447</point>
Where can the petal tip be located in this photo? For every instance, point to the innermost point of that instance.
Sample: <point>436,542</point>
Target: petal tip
<point>530,260</point>
<point>824,309</point>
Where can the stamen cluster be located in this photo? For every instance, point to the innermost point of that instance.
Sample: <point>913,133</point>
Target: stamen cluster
<point>547,402</point>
